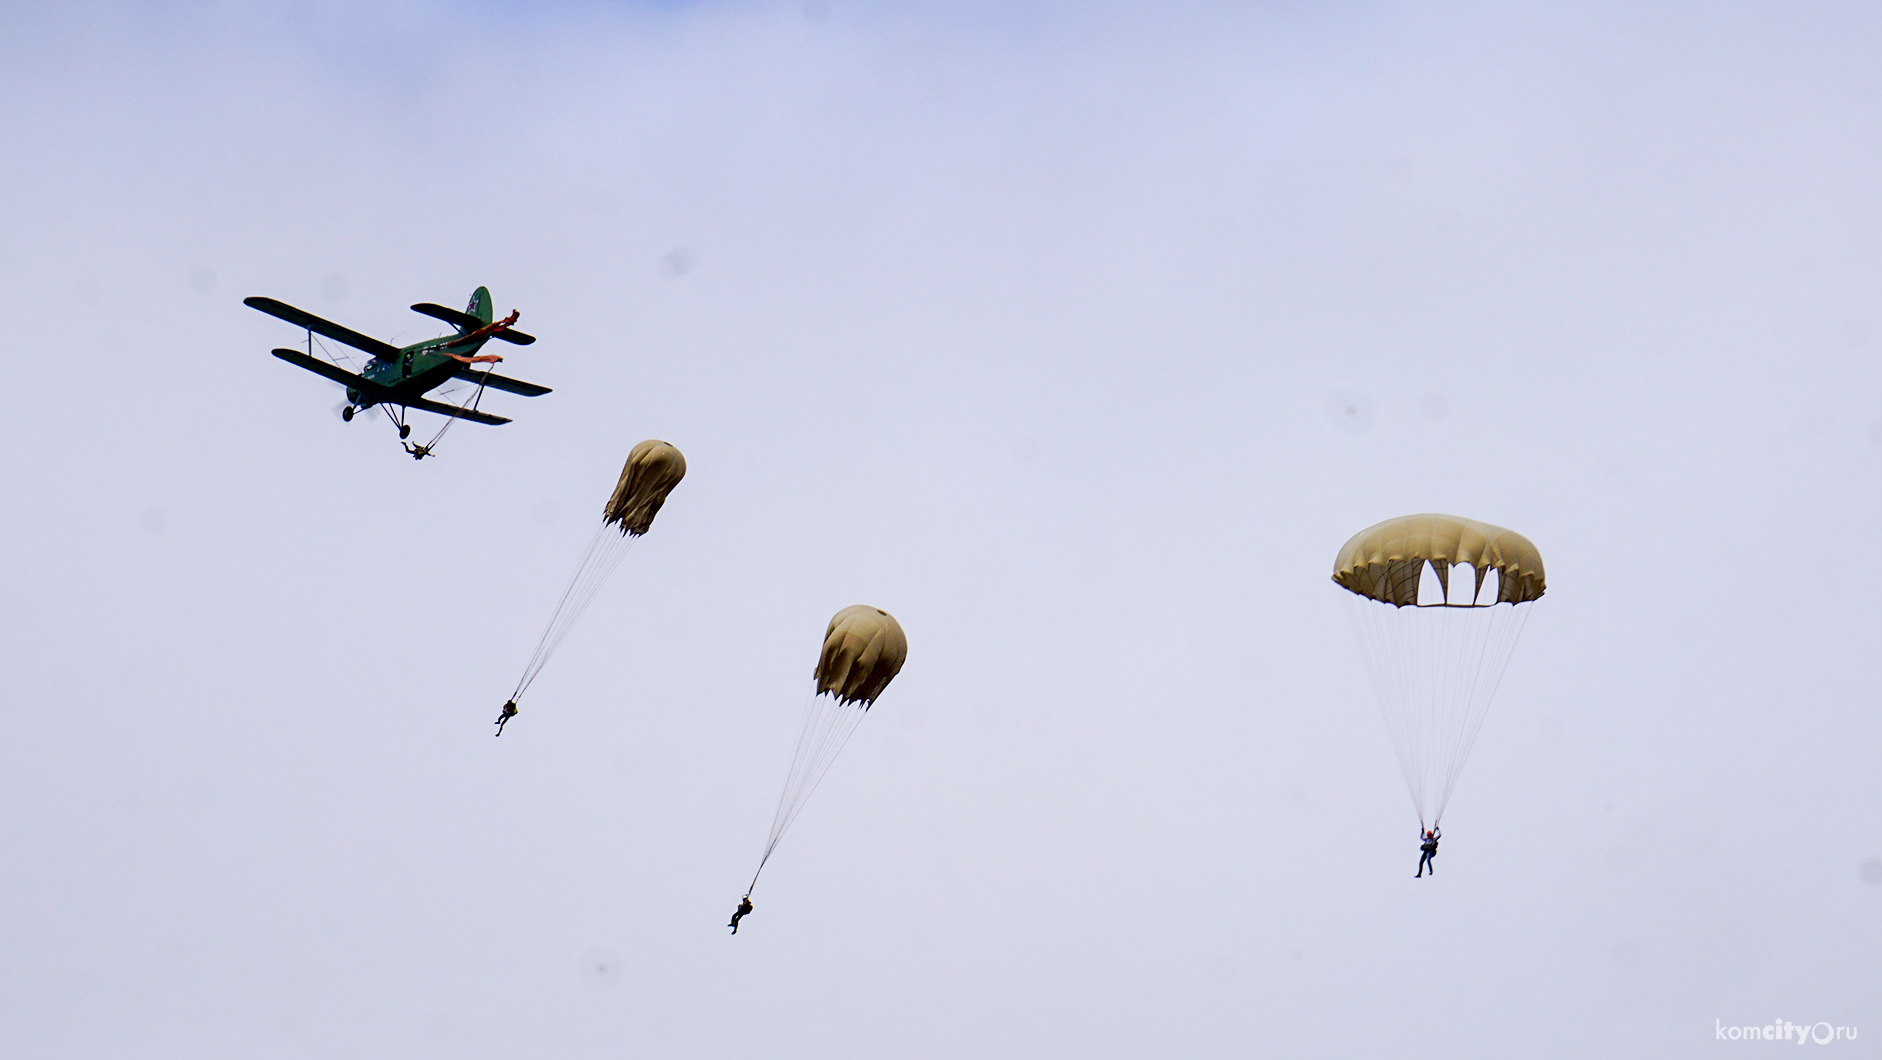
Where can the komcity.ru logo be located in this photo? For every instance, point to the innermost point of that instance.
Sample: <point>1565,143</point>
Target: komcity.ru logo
<point>1785,1031</point>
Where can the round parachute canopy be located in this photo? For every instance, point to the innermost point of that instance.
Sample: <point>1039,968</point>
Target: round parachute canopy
<point>651,472</point>
<point>1436,653</point>
<point>1385,562</point>
<point>863,650</point>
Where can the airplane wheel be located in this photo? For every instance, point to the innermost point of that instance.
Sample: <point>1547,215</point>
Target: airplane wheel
<point>347,414</point>
<point>405,430</point>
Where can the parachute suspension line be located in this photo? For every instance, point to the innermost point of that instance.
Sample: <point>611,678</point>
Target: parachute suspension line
<point>1387,664</point>
<point>419,452</point>
<point>1452,708</point>
<point>828,726</point>
<point>1485,674</point>
<point>476,399</point>
<point>1435,670</point>
<point>605,551</point>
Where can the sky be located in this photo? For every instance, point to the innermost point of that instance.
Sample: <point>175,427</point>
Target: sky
<point>1077,336</point>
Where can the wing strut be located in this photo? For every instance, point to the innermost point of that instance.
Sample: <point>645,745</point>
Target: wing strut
<point>467,411</point>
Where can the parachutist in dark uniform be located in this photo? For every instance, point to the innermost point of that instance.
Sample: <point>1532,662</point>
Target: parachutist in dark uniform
<point>1430,848</point>
<point>744,908</point>
<point>509,711</point>
<point>419,452</point>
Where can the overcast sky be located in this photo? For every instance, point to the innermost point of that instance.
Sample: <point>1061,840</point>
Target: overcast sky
<point>1079,337</point>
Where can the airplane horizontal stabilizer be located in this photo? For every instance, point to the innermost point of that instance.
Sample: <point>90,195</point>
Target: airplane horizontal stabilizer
<point>465,323</point>
<point>457,318</point>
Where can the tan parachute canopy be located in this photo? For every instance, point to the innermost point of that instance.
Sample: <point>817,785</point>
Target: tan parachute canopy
<point>863,650</point>
<point>1385,562</point>
<point>651,472</point>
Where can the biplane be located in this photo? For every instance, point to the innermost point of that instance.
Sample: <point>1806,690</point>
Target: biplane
<point>399,377</point>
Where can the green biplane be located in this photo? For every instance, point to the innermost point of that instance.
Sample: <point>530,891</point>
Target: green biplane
<point>400,377</point>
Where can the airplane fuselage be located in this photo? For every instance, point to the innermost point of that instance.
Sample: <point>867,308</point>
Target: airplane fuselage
<point>419,367</point>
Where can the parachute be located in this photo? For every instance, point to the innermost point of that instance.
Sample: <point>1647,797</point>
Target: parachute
<point>1436,647</point>
<point>863,649</point>
<point>653,468</point>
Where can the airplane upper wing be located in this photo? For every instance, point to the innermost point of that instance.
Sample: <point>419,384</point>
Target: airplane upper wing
<point>501,382</point>
<point>464,322</point>
<point>366,387</point>
<point>302,318</point>
<point>451,410</point>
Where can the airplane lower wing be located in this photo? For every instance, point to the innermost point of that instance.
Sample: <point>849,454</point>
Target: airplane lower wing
<point>465,323</point>
<point>501,382</point>
<point>442,409</point>
<point>302,318</point>
<point>368,390</point>
<point>371,393</point>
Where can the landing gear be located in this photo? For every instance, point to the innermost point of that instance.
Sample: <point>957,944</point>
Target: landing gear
<point>405,431</point>
<point>347,414</point>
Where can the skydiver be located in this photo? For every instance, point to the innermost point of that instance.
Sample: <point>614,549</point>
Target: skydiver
<point>1430,848</point>
<point>509,711</point>
<point>419,452</point>
<point>744,908</point>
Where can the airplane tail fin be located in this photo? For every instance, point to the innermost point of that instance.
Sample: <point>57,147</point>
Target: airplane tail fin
<point>480,307</point>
